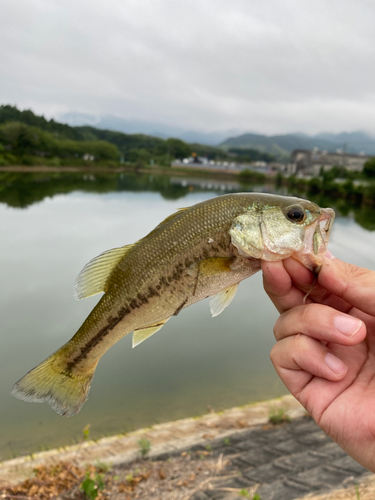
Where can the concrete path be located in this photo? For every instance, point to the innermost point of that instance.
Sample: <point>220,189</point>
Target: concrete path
<point>285,462</point>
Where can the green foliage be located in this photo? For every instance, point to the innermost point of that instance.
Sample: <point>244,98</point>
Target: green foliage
<point>226,441</point>
<point>364,216</point>
<point>12,114</point>
<point>244,493</point>
<point>278,416</point>
<point>92,485</point>
<point>315,186</point>
<point>251,176</point>
<point>279,179</point>
<point>369,168</point>
<point>208,447</point>
<point>357,496</point>
<point>249,154</point>
<point>27,133</point>
<point>144,447</point>
<point>177,148</point>
<point>86,432</point>
<point>102,466</point>
<point>256,497</point>
<point>54,162</point>
<point>32,145</point>
<point>369,193</point>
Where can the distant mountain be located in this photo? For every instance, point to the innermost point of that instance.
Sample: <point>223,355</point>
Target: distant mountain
<point>357,140</point>
<point>283,145</point>
<point>110,122</point>
<point>27,133</point>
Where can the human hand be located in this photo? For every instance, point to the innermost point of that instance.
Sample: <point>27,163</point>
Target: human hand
<point>325,350</point>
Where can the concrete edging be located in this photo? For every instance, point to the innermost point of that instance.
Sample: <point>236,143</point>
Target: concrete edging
<point>164,438</point>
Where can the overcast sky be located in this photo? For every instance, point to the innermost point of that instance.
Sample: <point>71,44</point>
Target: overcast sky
<point>270,67</point>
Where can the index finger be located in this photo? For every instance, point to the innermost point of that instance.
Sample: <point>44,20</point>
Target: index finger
<point>288,283</point>
<point>279,286</point>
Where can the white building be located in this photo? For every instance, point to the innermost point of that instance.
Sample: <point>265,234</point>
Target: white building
<point>310,162</point>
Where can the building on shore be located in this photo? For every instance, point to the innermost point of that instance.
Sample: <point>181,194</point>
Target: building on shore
<point>311,161</point>
<point>230,166</point>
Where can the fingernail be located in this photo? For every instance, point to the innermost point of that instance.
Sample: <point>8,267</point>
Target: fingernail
<point>329,255</point>
<point>347,325</point>
<point>335,364</point>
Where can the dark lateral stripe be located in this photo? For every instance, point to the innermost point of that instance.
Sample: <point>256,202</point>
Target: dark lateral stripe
<point>94,341</point>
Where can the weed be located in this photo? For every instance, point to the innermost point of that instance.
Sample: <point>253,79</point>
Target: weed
<point>226,442</point>
<point>208,447</point>
<point>102,466</point>
<point>357,492</point>
<point>144,447</point>
<point>278,416</point>
<point>91,486</point>
<point>244,493</point>
<point>129,478</point>
<point>86,432</point>
<point>256,497</point>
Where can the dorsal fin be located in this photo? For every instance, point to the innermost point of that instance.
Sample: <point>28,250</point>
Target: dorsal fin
<point>94,276</point>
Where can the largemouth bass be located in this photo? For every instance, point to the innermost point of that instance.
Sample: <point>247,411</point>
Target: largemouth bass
<point>198,252</point>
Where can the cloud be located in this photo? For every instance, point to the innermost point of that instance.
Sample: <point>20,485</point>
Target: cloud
<point>270,67</point>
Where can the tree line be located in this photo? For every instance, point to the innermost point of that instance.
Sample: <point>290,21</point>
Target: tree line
<point>31,139</point>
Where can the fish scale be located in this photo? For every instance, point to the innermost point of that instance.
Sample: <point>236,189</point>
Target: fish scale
<point>202,251</point>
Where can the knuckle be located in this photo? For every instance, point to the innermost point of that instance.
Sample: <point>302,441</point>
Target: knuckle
<point>302,343</point>
<point>274,354</point>
<point>277,326</point>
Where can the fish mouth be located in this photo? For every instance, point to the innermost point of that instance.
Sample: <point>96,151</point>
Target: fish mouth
<point>323,231</point>
<point>316,240</point>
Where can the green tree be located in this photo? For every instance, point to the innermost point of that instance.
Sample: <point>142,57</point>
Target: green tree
<point>19,137</point>
<point>369,168</point>
<point>177,148</point>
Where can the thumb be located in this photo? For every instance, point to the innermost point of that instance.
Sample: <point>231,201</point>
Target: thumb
<point>355,285</point>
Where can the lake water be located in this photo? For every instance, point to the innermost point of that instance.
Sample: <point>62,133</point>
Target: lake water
<point>50,228</point>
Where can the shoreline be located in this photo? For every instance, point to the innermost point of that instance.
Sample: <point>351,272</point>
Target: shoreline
<point>164,438</point>
<point>216,173</point>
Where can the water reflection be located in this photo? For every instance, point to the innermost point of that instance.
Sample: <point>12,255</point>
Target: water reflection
<point>21,190</point>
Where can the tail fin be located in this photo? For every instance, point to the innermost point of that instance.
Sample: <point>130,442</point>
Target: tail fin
<point>63,390</point>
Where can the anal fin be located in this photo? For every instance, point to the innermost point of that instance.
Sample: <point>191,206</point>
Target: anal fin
<point>221,300</point>
<point>144,333</point>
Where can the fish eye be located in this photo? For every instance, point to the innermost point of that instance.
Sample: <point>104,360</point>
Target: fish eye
<point>296,214</point>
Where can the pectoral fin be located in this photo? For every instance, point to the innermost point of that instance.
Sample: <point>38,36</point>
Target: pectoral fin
<point>214,266</point>
<point>94,276</point>
<point>142,334</point>
<point>222,299</point>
